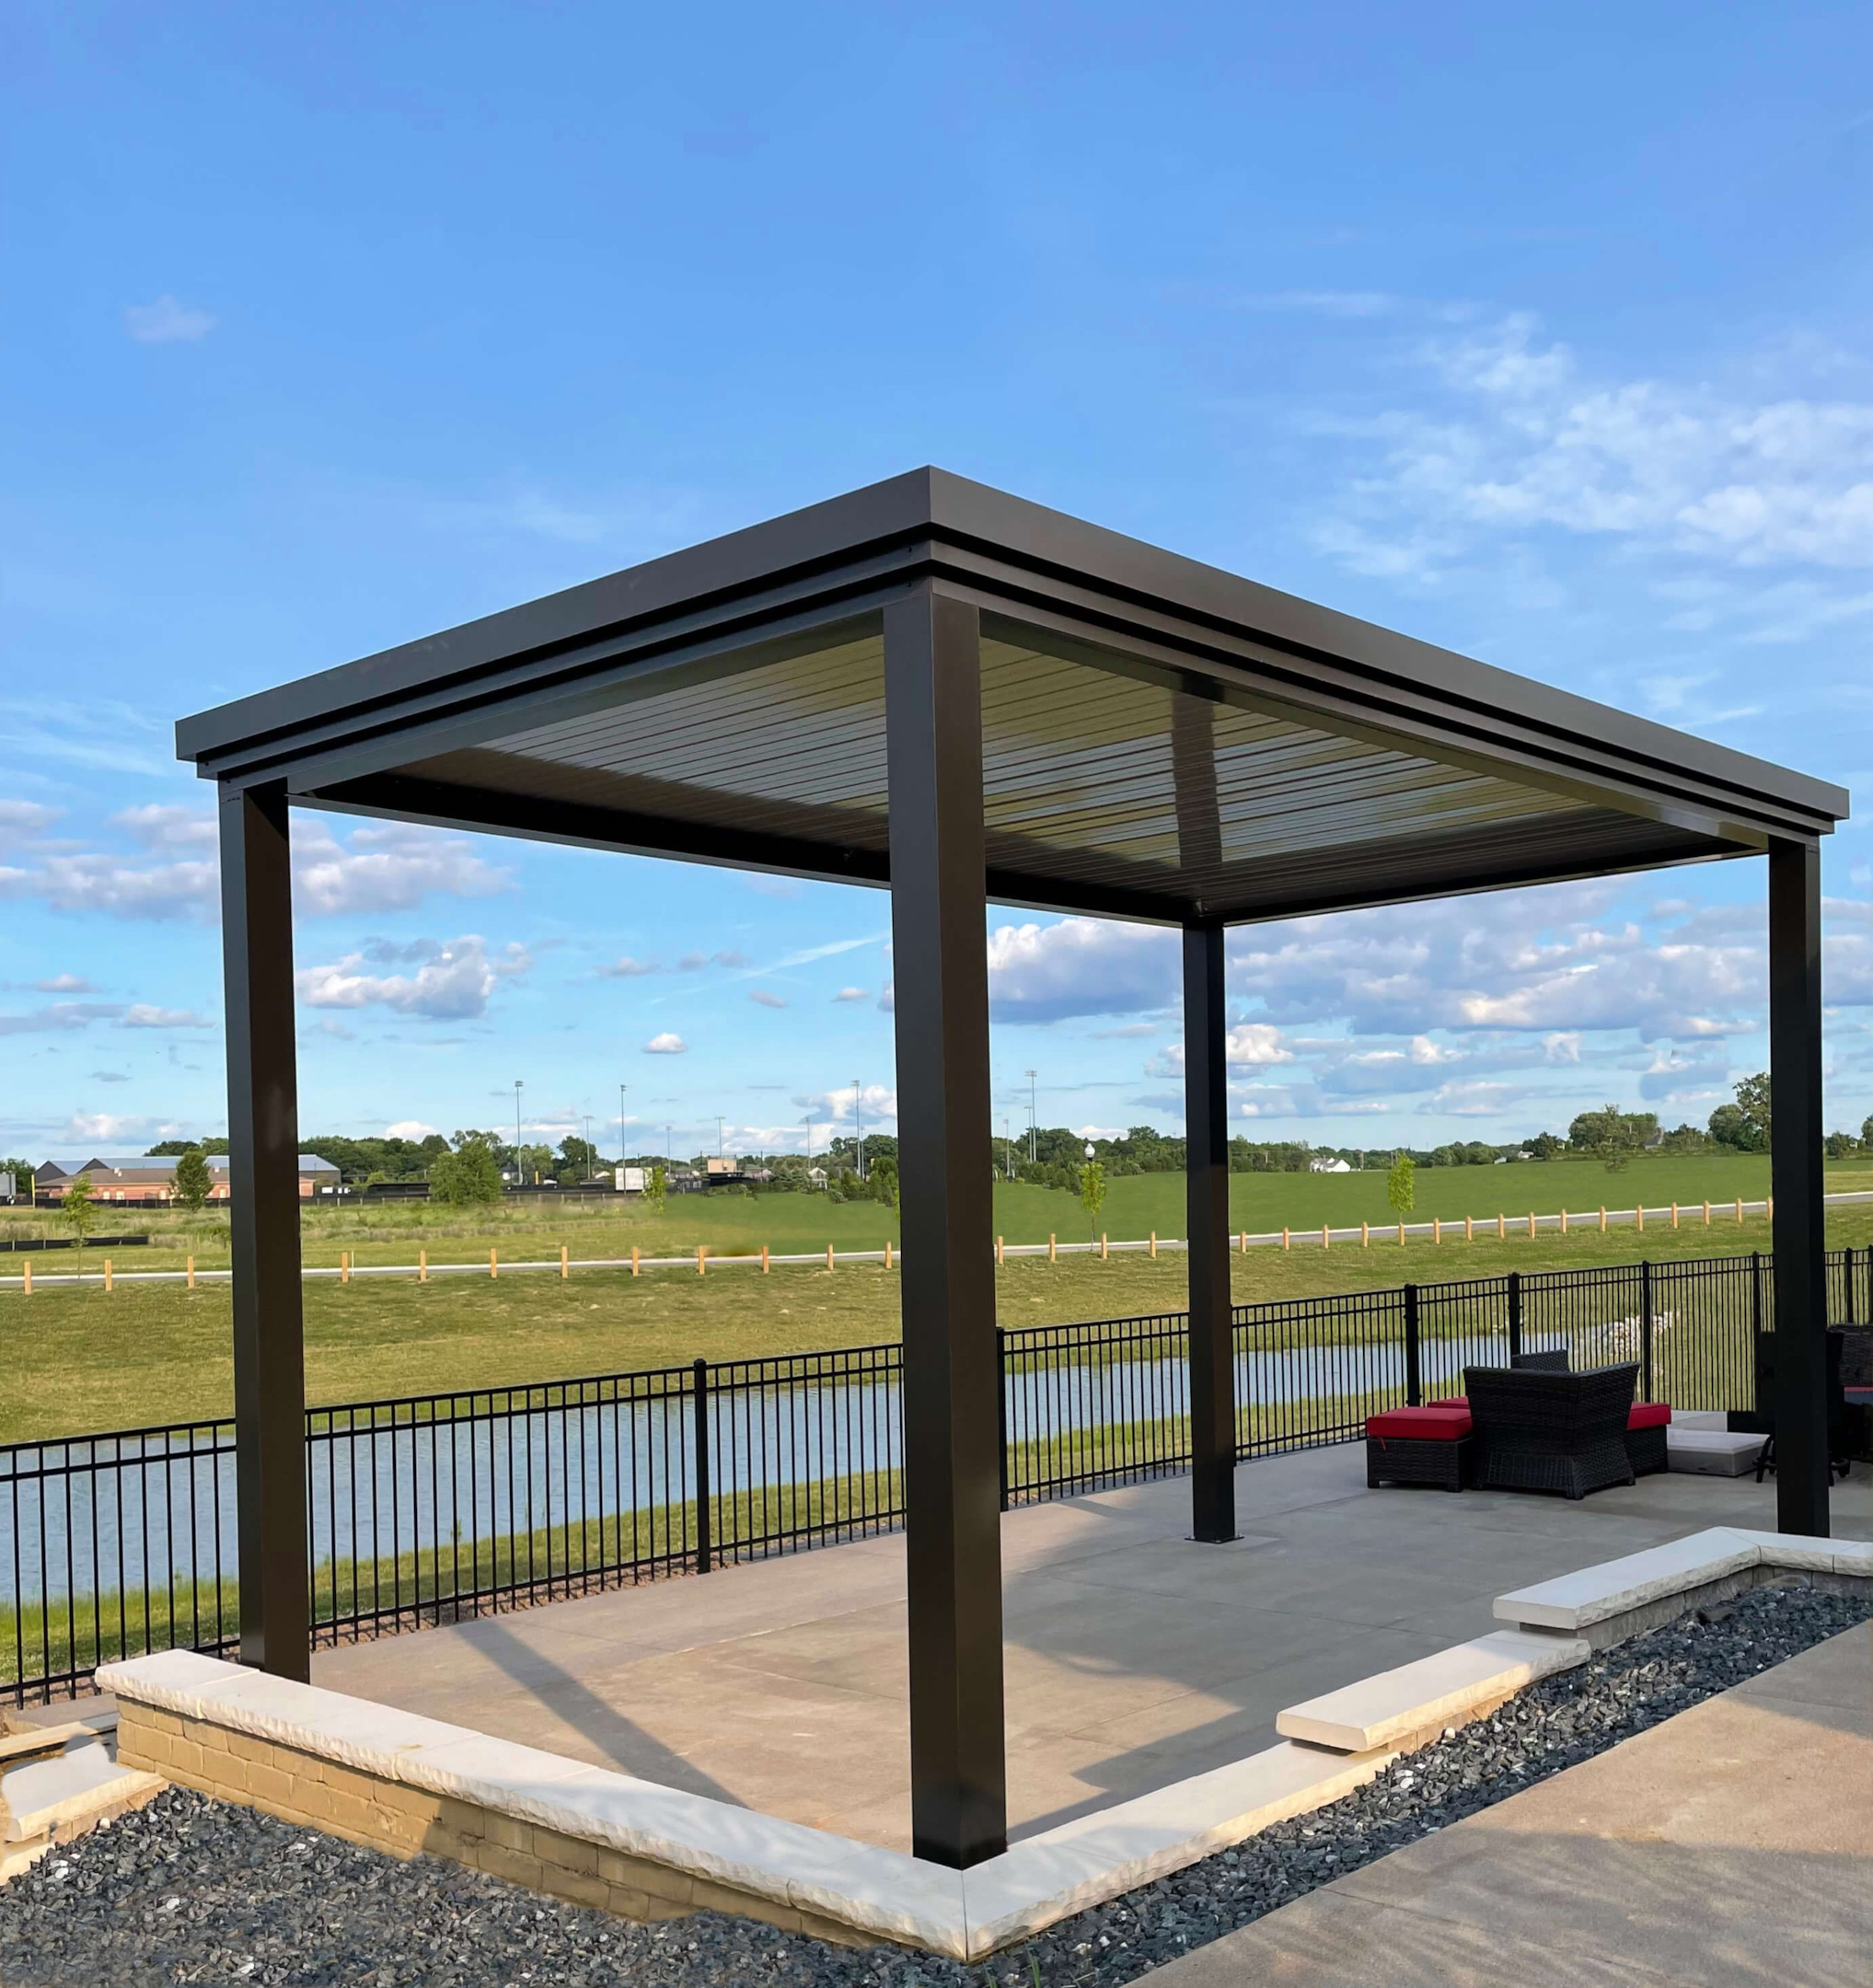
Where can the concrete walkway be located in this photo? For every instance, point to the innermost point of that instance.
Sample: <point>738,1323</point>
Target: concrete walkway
<point>1135,1656</point>
<point>1732,1844</point>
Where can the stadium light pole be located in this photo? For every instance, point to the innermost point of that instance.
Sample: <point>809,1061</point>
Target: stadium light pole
<point>621,1089</point>
<point>1032,1121</point>
<point>859,1126</point>
<point>518,1178</point>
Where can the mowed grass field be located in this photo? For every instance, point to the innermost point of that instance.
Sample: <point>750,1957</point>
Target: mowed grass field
<point>79,1359</point>
<point>730,1224</point>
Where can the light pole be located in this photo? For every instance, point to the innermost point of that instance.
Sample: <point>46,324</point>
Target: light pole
<point>859,1126</point>
<point>1032,1121</point>
<point>718,1135</point>
<point>1006,1149</point>
<point>519,1178</point>
<point>591,1150</point>
<point>621,1123</point>
<point>809,1123</point>
<point>1090,1218</point>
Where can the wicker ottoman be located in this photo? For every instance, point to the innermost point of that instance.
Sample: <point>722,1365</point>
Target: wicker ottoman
<point>1645,1440</point>
<point>1419,1445</point>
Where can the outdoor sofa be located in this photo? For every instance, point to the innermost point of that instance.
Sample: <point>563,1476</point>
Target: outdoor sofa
<point>1543,1432</point>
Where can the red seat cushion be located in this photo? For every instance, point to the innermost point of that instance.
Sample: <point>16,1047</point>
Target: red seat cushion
<point>1448,1401</point>
<point>1440,1423</point>
<point>1648,1414</point>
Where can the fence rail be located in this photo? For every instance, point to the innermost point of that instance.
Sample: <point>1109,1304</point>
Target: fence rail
<point>436,1508</point>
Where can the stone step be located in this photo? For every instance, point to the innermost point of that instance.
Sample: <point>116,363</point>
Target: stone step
<point>48,1801</point>
<point>1416,1699</point>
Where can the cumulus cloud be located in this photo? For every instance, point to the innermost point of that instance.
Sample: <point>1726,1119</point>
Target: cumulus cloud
<point>410,1128</point>
<point>453,981</point>
<point>669,1044</point>
<point>101,1127</point>
<point>1080,966</point>
<point>878,1103</point>
<point>628,969</point>
<point>22,820</point>
<point>173,871</point>
<point>764,998</point>
<point>852,994</point>
<point>65,983</point>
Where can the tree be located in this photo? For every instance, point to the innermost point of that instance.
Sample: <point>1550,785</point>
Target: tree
<point>656,1184</point>
<point>1613,1136</point>
<point>1092,1193</point>
<point>1544,1145</point>
<point>881,1183</point>
<point>193,1181</point>
<point>1401,1185</point>
<point>468,1175</point>
<point>1752,1101</point>
<point>77,1207</point>
<point>1867,1132</point>
<point>1840,1145</point>
<point>1744,1124</point>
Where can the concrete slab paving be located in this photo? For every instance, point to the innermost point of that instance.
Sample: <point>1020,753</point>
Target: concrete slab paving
<point>1733,1844</point>
<point>1136,1656</point>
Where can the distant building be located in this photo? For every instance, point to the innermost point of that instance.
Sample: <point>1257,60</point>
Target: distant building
<point>1322,1163</point>
<point>147,1177</point>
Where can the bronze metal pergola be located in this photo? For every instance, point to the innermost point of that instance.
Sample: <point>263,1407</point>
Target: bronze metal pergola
<point>931,686</point>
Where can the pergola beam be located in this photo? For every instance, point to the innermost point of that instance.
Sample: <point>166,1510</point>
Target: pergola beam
<point>952,1368</point>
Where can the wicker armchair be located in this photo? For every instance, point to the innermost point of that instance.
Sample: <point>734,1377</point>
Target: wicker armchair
<point>1554,1362</point>
<point>1542,1431</point>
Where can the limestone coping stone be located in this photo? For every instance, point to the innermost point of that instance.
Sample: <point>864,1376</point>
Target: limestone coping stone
<point>964,1914</point>
<point>1576,1602</point>
<point>1712,1452</point>
<point>39,1796</point>
<point>1434,1692</point>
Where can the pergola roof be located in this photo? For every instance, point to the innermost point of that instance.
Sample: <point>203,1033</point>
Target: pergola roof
<point>1161,740</point>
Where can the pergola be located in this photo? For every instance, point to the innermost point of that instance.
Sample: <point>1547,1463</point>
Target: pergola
<point>936,688</point>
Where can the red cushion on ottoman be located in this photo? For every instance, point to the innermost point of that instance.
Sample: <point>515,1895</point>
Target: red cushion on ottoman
<point>1448,1401</point>
<point>1427,1425</point>
<point>1648,1414</point>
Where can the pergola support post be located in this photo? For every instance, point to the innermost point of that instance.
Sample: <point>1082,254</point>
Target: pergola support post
<point>264,1224</point>
<point>951,1365</point>
<point>1799,1228</point>
<point>1212,1327</point>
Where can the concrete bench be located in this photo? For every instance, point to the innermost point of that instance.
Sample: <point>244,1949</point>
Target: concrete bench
<point>1711,1453</point>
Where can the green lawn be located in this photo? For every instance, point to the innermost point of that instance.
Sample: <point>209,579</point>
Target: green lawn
<point>77,1359</point>
<point>795,1224</point>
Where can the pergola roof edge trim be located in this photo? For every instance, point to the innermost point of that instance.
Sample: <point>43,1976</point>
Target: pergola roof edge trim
<point>891,534</point>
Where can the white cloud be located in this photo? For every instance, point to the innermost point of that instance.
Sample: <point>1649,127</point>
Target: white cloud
<point>65,983</point>
<point>22,820</point>
<point>1531,440</point>
<point>391,866</point>
<point>764,998</point>
<point>168,322</point>
<point>878,1101</point>
<point>667,1044</point>
<point>410,1128</point>
<point>101,1127</point>
<point>60,1016</point>
<point>1080,966</point>
<point>1256,1042</point>
<point>453,981</point>
<point>852,994</point>
<point>628,969</point>
<point>142,1015</point>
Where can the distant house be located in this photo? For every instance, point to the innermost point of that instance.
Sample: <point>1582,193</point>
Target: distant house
<point>1323,1163</point>
<point>147,1177</point>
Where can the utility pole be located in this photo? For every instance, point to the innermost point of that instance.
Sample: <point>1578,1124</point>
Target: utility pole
<point>519,1178</point>
<point>1032,1121</point>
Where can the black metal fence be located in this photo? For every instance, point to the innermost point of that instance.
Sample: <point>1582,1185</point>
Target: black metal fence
<point>440,1506</point>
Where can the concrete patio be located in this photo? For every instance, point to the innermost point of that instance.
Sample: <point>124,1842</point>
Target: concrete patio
<point>1136,1657</point>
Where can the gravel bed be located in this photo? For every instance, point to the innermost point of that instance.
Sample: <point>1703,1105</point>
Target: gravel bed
<point>193,1891</point>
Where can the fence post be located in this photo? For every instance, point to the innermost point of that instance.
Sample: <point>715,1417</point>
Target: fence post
<point>1414,1379</point>
<point>1645,1330</point>
<point>704,1533</point>
<point>1001,1411</point>
<point>1515,1315</point>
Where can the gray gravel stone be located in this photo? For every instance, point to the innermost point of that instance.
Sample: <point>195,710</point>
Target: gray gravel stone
<point>190,1891</point>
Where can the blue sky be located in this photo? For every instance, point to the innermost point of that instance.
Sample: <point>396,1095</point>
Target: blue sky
<point>1539,332</point>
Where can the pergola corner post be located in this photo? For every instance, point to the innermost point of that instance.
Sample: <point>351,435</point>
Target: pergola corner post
<point>952,1363</point>
<point>264,1224</point>
<point>1800,1230</point>
<point>1212,1326</point>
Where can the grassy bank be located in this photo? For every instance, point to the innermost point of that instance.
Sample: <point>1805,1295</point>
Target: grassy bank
<point>77,1359</point>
